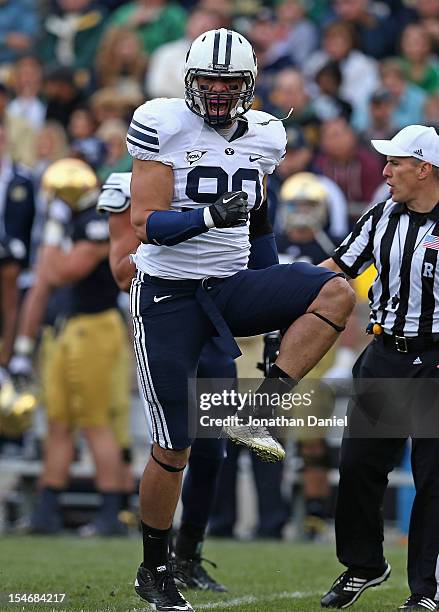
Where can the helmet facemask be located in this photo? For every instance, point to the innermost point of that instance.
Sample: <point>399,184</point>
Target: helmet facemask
<point>220,54</point>
<point>229,105</point>
<point>305,214</point>
<point>303,205</point>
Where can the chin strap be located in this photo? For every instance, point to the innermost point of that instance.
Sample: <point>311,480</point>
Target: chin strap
<point>166,466</point>
<point>277,119</point>
<point>338,328</point>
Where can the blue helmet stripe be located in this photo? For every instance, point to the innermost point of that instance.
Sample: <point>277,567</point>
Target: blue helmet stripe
<point>228,48</point>
<point>216,42</point>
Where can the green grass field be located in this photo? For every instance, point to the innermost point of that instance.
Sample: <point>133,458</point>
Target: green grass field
<point>97,575</point>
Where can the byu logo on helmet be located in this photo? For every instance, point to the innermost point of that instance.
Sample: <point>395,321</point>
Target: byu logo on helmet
<point>221,54</point>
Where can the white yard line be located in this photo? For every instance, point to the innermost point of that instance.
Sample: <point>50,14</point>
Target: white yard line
<point>251,599</point>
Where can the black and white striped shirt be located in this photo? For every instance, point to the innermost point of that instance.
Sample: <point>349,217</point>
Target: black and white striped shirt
<point>404,247</point>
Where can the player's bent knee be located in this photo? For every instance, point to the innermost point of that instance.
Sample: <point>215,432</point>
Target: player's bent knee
<point>336,296</point>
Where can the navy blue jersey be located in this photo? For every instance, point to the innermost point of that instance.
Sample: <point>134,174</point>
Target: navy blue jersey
<point>18,218</point>
<point>313,252</point>
<point>98,291</point>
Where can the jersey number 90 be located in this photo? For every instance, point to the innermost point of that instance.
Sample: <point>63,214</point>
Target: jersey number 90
<point>222,183</point>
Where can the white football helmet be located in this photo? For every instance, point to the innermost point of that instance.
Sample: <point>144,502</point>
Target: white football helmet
<point>223,54</point>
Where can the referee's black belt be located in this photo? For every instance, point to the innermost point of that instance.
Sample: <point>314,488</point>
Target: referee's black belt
<point>402,344</point>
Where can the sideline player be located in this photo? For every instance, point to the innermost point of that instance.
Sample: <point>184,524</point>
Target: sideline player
<point>199,168</point>
<point>86,353</point>
<point>207,454</point>
<point>17,213</point>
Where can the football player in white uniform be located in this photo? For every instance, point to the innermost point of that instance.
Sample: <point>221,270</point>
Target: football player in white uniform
<point>199,169</point>
<point>206,457</point>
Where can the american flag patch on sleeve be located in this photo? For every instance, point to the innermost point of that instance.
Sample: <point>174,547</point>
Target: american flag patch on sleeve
<point>142,136</point>
<point>431,242</point>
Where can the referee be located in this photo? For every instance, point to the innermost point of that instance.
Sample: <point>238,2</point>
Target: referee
<point>401,238</point>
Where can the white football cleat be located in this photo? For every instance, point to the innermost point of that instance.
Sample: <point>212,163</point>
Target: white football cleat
<point>257,439</point>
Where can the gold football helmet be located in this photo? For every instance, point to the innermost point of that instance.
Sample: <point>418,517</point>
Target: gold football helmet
<point>304,202</point>
<point>73,181</point>
<point>17,408</point>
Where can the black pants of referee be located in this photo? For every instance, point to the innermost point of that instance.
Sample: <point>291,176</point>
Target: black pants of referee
<point>382,415</point>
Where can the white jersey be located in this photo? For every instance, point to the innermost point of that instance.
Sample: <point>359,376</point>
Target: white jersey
<point>205,166</point>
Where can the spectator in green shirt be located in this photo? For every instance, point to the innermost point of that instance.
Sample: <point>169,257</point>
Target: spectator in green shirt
<point>113,133</point>
<point>155,21</point>
<point>420,65</point>
<point>71,34</point>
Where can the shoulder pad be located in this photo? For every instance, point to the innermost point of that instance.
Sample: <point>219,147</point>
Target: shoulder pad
<point>271,132</point>
<point>265,120</point>
<point>115,195</point>
<point>153,125</point>
<point>261,117</point>
<point>112,201</point>
<point>120,181</point>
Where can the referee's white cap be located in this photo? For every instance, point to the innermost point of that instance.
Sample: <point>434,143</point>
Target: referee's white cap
<point>412,141</point>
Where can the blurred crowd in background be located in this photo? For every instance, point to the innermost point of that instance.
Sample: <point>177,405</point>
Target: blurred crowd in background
<point>73,71</point>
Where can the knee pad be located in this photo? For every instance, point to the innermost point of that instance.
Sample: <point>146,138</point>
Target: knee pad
<point>314,458</point>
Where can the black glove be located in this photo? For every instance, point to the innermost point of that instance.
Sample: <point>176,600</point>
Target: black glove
<point>272,342</point>
<point>230,210</point>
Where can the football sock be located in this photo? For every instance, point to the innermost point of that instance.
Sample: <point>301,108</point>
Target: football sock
<point>155,547</point>
<point>125,500</point>
<point>199,488</point>
<point>46,515</point>
<point>110,506</point>
<point>49,499</point>
<point>315,506</point>
<point>284,380</point>
<point>277,383</point>
<point>189,541</point>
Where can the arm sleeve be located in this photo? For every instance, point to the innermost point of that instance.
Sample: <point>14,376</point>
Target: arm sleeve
<point>169,227</point>
<point>263,250</point>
